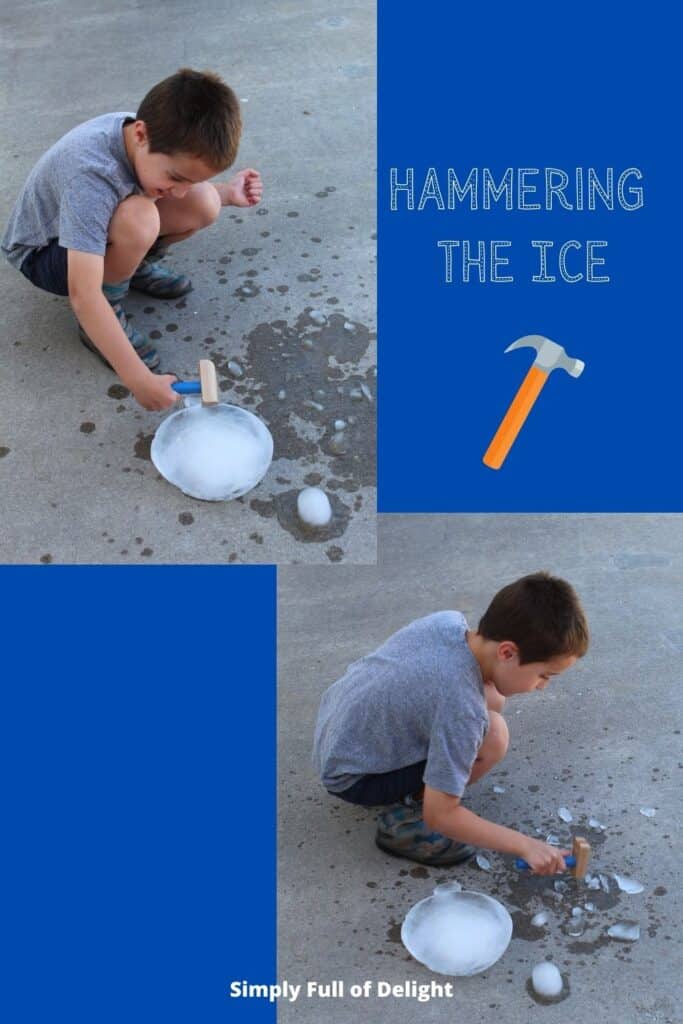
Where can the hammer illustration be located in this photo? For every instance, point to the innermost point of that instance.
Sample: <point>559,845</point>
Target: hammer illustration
<point>549,355</point>
<point>578,861</point>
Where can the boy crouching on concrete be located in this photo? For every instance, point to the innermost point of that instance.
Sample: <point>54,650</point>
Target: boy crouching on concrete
<point>101,206</point>
<point>414,723</point>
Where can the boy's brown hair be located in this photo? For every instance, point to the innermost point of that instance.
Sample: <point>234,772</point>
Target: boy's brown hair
<point>193,112</point>
<point>541,614</point>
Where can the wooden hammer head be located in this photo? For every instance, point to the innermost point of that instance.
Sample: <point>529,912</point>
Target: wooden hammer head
<point>582,852</point>
<point>207,378</point>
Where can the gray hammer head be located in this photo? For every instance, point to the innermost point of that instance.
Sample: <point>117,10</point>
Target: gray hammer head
<point>550,355</point>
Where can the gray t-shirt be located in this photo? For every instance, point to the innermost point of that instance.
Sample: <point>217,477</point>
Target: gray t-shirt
<point>72,192</point>
<point>420,696</point>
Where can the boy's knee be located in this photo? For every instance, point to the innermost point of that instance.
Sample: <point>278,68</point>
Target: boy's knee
<point>206,204</point>
<point>497,737</point>
<point>135,222</point>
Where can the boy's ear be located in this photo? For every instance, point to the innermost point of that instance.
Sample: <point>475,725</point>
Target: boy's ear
<point>507,650</point>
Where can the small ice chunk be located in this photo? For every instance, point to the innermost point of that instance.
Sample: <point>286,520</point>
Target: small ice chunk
<point>546,980</point>
<point>590,907</point>
<point>574,927</point>
<point>629,885</point>
<point>348,326</point>
<point>577,911</point>
<point>604,883</point>
<point>538,920</point>
<point>560,886</point>
<point>565,814</point>
<point>339,424</point>
<point>317,316</point>
<point>625,931</point>
<point>597,825</point>
<point>593,882</point>
<point>552,840</point>
<point>307,343</point>
<point>366,392</point>
<point>235,369</point>
<point>310,404</point>
<point>499,789</point>
<point>648,812</point>
<point>483,862</point>
<point>313,507</point>
<point>356,395</point>
<point>281,395</point>
<point>338,443</point>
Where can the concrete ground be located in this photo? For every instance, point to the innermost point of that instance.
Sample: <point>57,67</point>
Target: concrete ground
<point>604,741</point>
<point>75,473</point>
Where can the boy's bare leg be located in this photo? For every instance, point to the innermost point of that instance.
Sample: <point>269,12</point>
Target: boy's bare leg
<point>493,749</point>
<point>180,218</point>
<point>132,230</point>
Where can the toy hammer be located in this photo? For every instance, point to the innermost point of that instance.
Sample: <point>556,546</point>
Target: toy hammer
<point>549,355</point>
<point>206,386</point>
<point>578,861</point>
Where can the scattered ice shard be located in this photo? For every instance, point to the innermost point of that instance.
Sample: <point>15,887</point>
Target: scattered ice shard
<point>577,911</point>
<point>499,789</point>
<point>565,814</point>
<point>590,907</point>
<point>592,881</point>
<point>598,825</point>
<point>338,443</point>
<point>552,839</point>
<point>348,326</point>
<point>366,392</point>
<point>356,394</point>
<point>307,343</point>
<point>625,931</point>
<point>538,920</point>
<point>574,927</point>
<point>310,404</point>
<point>313,507</point>
<point>339,424</point>
<point>560,886</point>
<point>317,316</point>
<point>546,980</point>
<point>648,812</point>
<point>235,369</point>
<point>604,883</point>
<point>483,862</point>
<point>629,885</point>
<point>281,395</point>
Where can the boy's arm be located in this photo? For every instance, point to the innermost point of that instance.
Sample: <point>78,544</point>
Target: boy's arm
<point>98,320</point>
<point>445,814</point>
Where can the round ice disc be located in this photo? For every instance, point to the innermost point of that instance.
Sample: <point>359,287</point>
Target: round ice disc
<point>213,452</point>
<point>457,932</point>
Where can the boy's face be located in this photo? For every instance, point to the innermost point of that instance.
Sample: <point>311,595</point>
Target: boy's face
<point>509,677</point>
<point>164,176</point>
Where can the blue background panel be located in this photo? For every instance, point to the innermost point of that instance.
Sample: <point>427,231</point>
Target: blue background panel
<point>138,803</point>
<point>484,86</point>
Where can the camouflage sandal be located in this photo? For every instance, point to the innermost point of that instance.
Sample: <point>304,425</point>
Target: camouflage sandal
<point>401,831</point>
<point>153,279</point>
<point>142,345</point>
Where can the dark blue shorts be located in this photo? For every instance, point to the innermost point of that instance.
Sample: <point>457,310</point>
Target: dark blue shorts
<point>385,788</point>
<point>47,268</point>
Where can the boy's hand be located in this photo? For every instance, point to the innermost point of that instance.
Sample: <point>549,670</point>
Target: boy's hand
<point>542,858</point>
<point>154,392</point>
<point>244,189</point>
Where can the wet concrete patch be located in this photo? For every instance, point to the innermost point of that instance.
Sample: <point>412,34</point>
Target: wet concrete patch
<point>143,447</point>
<point>87,428</point>
<point>4,451</point>
<point>118,391</point>
<point>303,378</point>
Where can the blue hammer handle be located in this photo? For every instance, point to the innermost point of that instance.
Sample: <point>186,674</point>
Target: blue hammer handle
<point>187,387</point>
<point>523,866</point>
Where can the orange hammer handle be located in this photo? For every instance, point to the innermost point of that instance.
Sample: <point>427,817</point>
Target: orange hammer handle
<point>514,418</point>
